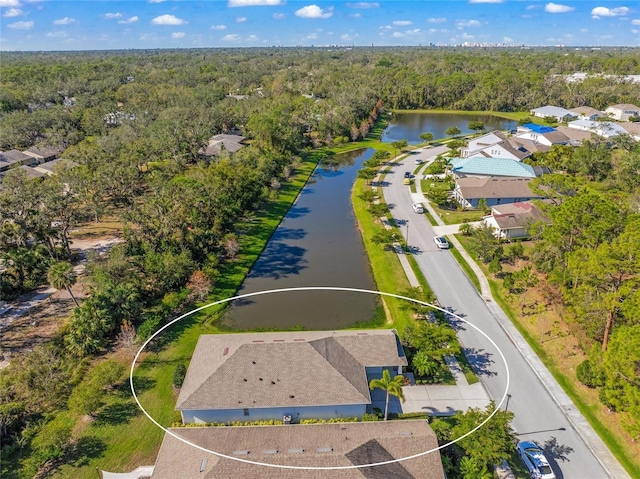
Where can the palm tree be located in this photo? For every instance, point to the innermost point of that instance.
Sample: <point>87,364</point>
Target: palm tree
<point>61,275</point>
<point>391,386</point>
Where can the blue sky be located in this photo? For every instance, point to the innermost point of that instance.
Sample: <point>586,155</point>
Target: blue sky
<point>113,24</point>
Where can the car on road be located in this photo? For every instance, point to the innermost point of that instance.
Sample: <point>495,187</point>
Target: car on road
<point>406,181</point>
<point>419,161</point>
<point>407,174</point>
<point>418,208</point>
<point>535,460</point>
<point>441,242</point>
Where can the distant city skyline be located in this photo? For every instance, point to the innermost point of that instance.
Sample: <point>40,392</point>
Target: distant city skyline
<point>27,25</point>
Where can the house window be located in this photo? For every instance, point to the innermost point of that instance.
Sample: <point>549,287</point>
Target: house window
<point>246,412</point>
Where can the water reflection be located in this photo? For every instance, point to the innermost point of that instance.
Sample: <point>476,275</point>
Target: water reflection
<point>317,244</point>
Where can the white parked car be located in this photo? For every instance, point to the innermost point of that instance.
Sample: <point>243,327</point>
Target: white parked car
<point>441,242</point>
<point>535,460</point>
<point>418,208</point>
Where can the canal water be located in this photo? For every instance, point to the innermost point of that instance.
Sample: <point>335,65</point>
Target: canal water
<point>317,244</point>
<point>410,125</point>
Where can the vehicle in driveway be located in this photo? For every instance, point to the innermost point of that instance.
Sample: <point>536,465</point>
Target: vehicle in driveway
<point>417,208</point>
<point>441,242</point>
<point>535,460</point>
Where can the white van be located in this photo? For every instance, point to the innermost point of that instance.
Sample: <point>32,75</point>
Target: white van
<point>417,208</point>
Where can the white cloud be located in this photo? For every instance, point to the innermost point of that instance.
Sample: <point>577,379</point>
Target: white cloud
<point>507,39</point>
<point>635,22</point>
<point>609,12</point>
<point>252,38</point>
<point>356,15</point>
<point>241,19</point>
<point>347,38</point>
<point>9,3</point>
<point>231,37</point>
<point>398,35</point>
<point>218,27</point>
<point>254,3</point>
<point>311,36</point>
<point>177,35</point>
<point>386,27</point>
<point>436,20</point>
<point>60,34</point>
<point>486,1</point>
<point>533,7</point>
<point>133,19</point>
<point>111,16</point>
<point>467,23</point>
<point>363,5</point>
<point>64,21</point>
<point>633,30</point>
<point>12,12</point>
<point>279,16</point>
<point>21,25</point>
<point>156,1</point>
<point>584,30</point>
<point>314,11</point>
<point>168,20</point>
<point>402,23</point>
<point>557,8</point>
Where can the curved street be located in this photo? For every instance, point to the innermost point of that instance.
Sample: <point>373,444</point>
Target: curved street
<point>543,412</point>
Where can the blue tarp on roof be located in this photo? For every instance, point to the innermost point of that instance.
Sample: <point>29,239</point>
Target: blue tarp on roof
<point>538,128</point>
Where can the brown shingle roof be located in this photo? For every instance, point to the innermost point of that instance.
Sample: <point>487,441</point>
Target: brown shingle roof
<point>490,187</point>
<point>285,369</point>
<point>516,215</point>
<point>315,445</point>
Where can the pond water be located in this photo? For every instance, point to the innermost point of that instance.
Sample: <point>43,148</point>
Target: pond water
<point>409,126</point>
<point>317,244</point>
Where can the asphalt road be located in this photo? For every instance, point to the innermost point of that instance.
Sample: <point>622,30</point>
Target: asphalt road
<point>537,416</point>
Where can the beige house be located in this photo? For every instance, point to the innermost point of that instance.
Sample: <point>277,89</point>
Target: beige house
<point>513,220</point>
<point>495,191</point>
<point>312,445</point>
<point>623,111</point>
<point>587,113</point>
<point>294,375</point>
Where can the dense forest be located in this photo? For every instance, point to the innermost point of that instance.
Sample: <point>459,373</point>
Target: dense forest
<point>133,125</point>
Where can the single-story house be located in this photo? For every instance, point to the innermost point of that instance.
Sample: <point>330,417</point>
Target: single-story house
<point>16,158</point>
<point>231,143</point>
<point>513,220</point>
<point>49,167</point>
<point>605,129</point>
<point>496,191</point>
<point>632,128</point>
<point>297,375</point>
<point>42,155</point>
<point>587,113</point>
<point>560,114</point>
<point>576,137</point>
<point>310,445</point>
<point>542,134</point>
<point>482,166</point>
<point>623,111</point>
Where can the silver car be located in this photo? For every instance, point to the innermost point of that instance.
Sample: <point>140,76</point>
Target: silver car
<point>535,460</point>
<point>441,242</point>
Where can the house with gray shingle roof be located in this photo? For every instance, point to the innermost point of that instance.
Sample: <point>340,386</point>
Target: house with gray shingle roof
<point>560,114</point>
<point>342,445</point>
<point>496,191</point>
<point>230,143</point>
<point>302,375</point>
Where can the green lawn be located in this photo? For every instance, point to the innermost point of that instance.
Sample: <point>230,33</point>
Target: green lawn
<point>122,438</point>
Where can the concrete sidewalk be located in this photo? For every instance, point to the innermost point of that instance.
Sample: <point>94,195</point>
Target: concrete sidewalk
<point>444,400</point>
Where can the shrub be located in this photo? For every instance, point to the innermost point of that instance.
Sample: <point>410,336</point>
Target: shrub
<point>587,375</point>
<point>178,375</point>
<point>369,417</point>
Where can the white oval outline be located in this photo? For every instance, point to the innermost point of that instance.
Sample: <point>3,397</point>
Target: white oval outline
<point>315,288</point>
